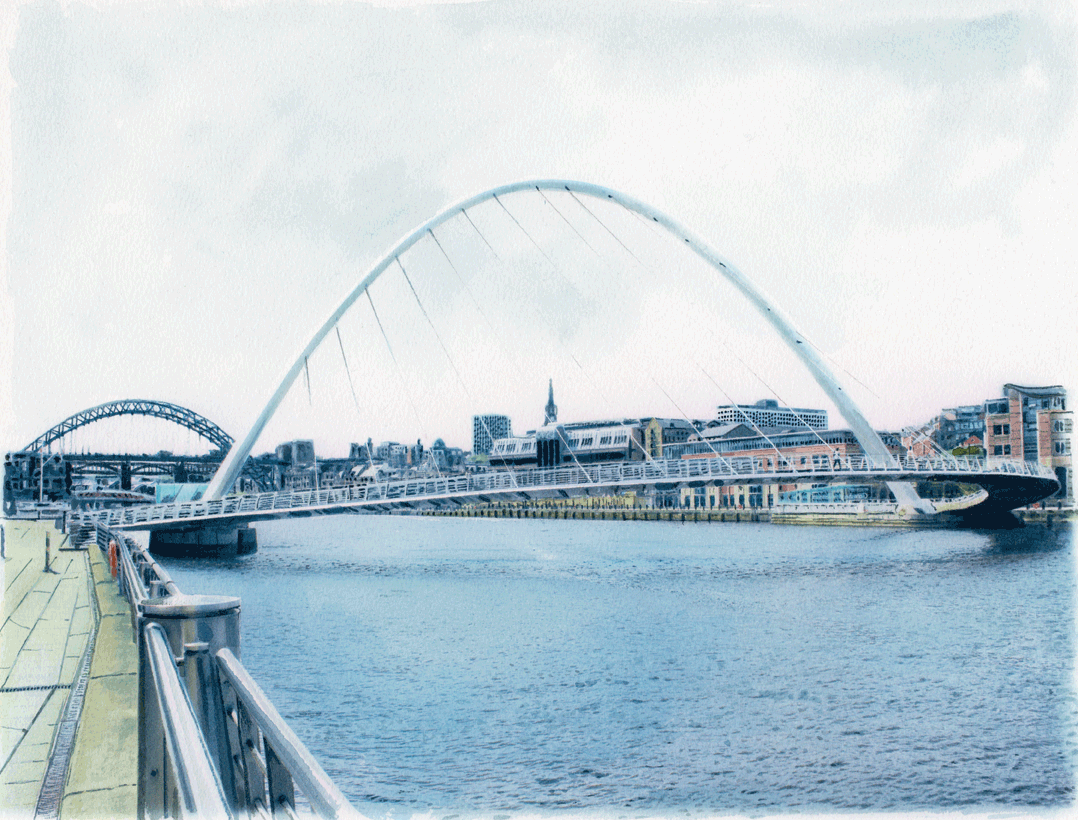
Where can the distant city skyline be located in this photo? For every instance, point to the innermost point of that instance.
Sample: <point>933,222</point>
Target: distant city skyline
<point>182,217</point>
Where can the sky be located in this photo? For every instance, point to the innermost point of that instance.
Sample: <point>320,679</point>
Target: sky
<point>190,189</point>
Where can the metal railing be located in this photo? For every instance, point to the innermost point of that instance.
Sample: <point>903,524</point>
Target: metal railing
<point>574,478</point>
<point>194,788</point>
<point>852,507</point>
<point>285,761</point>
<point>211,744</point>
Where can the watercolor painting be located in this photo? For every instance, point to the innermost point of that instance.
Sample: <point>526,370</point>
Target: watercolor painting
<point>614,312</point>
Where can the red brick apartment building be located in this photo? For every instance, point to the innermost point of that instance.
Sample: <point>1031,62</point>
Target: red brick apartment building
<point>1033,424</point>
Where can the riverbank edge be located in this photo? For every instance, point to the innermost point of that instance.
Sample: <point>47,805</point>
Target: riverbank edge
<point>102,777</point>
<point>1047,517</point>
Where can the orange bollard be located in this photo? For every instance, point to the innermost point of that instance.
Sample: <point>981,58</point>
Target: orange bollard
<point>114,556</point>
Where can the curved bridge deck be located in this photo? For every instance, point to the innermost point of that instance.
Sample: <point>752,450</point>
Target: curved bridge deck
<point>1009,484</point>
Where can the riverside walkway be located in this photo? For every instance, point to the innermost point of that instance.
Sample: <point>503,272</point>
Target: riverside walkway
<point>68,681</point>
<point>121,696</point>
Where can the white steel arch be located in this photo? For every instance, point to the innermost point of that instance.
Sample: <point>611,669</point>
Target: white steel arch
<point>870,441</point>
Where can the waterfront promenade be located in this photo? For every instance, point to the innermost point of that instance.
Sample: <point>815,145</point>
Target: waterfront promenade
<point>68,681</point>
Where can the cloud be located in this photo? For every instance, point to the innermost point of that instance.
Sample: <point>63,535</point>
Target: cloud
<point>195,187</point>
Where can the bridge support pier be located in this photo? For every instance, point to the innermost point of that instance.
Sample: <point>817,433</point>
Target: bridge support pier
<point>204,542</point>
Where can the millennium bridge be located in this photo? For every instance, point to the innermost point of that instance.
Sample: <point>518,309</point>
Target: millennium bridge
<point>1009,484</point>
<point>209,743</point>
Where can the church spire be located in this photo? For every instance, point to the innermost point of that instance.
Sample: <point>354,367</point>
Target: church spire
<point>551,409</point>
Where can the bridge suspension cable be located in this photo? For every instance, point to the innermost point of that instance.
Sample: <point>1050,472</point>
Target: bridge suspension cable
<point>748,418</point>
<point>445,349</point>
<point>393,356</point>
<point>347,370</point>
<point>768,309</point>
<point>547,317</point>
<point>771,390</point>
<point>744,364</point>
<point>550,321</point>
<point>558,271</point>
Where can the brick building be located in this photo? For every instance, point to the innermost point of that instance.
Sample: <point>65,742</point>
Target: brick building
<point>1033,424</point>
<point>802,450</point>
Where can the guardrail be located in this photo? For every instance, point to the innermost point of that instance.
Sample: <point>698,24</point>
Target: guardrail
<point>654,471</point>
<point>211,744</point>
<point>194,789</point>
<point>852,507</point>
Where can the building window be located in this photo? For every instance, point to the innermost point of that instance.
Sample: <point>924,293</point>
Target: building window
<point>1006,429</point>
<point>997,429</point>
<point>997,450</point>
<point>1006,449</point>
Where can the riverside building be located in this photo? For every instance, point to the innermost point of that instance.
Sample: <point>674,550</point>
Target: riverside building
<point>768,413</point>
<point>796,450</point>
<point>1033,424</point>
<point>554,445</point>
<point>488,429</point>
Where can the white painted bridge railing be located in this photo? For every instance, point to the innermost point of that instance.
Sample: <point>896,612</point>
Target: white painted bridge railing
<point>574,479</point>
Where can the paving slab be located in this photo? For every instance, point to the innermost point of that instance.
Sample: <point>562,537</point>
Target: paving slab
<point>41,658</point>
<point>47,621</point>
<point>20,799</point>
<point>100,563</point>
<point>17,572</point>
<point>106,750</point>
<point>115,652</point>
<point>17,712</point>
<point>115,802</point>
<point>24,771</point>
<point>102,779</point>
<point>81,621</point>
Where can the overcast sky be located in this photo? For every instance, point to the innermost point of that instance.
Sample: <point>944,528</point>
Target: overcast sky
<point>193,188</point>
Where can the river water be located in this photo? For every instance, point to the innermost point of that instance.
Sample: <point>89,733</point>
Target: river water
<point>470,666</point>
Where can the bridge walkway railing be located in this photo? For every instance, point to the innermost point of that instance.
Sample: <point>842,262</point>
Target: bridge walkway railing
<point>574,478</point>
<point>211,744</point>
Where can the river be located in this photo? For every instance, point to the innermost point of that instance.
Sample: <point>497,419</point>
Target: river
<point>476,666</point>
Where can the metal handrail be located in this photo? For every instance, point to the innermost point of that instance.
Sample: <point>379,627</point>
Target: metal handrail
<point>131,580</point>
<point>655,470</point>
<point>198,786</point>
<point>321,792</point>
<point>197,780</point>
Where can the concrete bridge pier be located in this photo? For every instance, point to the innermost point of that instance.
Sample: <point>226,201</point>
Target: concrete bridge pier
<point>204,542</point>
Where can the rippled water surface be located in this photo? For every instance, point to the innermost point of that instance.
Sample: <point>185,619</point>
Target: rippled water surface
<point>522,666</point>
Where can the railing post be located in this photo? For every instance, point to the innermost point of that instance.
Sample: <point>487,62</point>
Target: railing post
<point>282,792</point>
<point>197,626</point>
<point>181,777</point>
<point>153,781</point>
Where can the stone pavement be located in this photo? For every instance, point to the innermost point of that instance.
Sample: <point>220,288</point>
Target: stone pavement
<point>48,621</point>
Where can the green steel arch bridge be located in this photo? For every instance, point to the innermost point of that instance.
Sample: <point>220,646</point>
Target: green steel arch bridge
<point>127,467</point>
